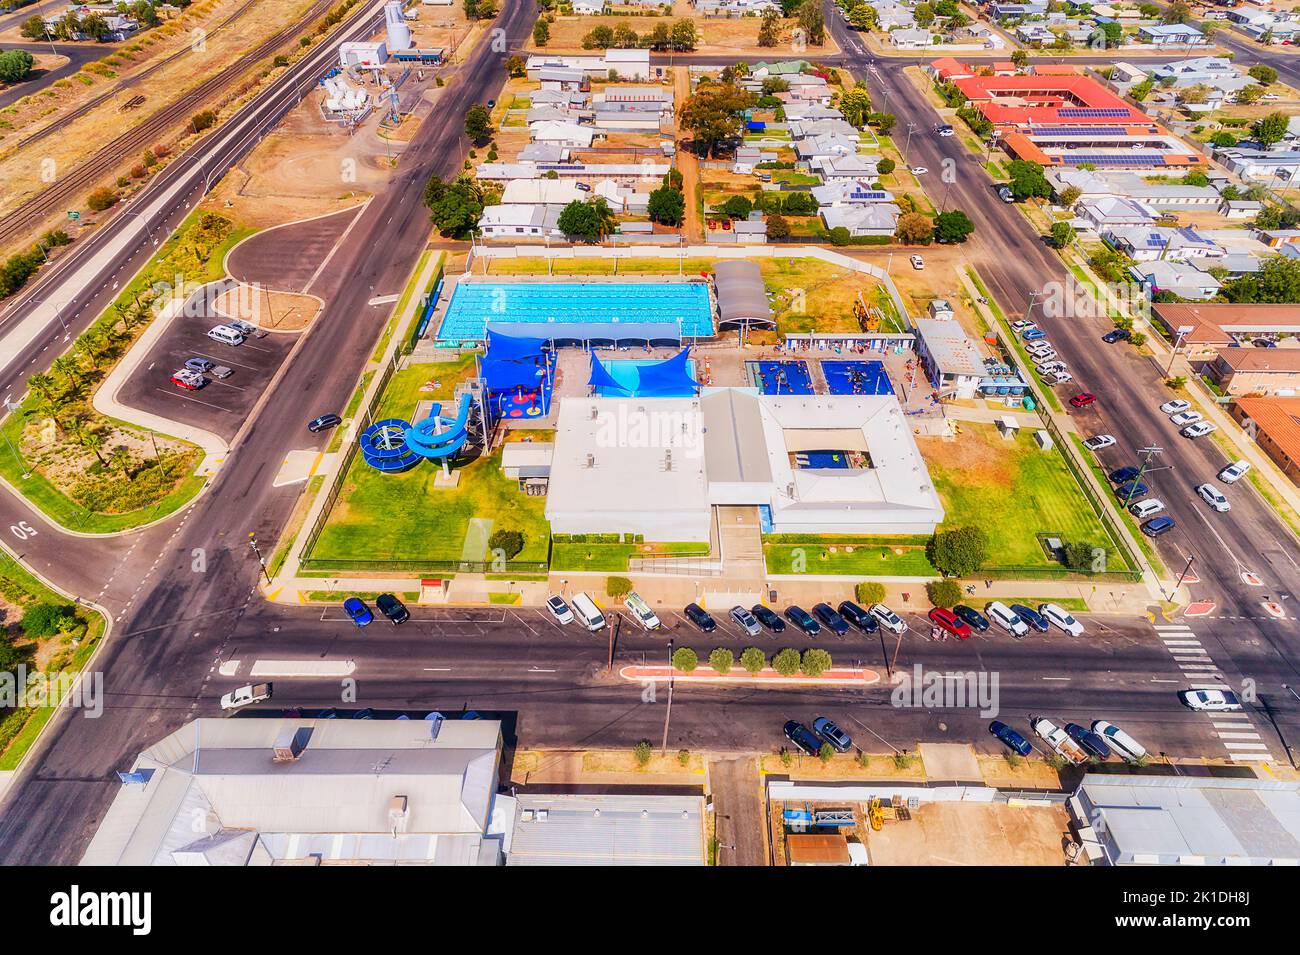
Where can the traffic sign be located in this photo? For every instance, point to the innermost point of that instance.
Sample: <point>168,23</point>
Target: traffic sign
<point>74,214</point>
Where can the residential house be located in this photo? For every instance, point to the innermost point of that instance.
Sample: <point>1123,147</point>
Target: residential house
<point>1154,243</point>
<point>850,166</point>
<point>562,134</point>
<point>1274,423</point>
<point>542,192</point>
<point>864,220</point>
<point>1112,212</point>
<point>849,192</point>
<point>1208,328</point>
<point>1279,167</point>
<point>519,221</point>
<point>1171,34</point>
<point>1183,280</point>
<point>911,39</point>
<point>1256,371</point>
<point>1240,208</point>
<point>822,127</point>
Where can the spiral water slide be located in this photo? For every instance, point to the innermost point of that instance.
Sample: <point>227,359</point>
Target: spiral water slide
<point>439,437</point>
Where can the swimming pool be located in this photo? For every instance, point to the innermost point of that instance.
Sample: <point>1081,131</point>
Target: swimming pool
<point>474,304</point>
<point>788,377</point>
<point>856,377</point>
<point>626,373</point>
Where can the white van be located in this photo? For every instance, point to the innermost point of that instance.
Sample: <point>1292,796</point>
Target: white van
<point>1144,509</point>
<point>1234,472</point>
<point>641,611</point>
<point>1006,618</point>
<point>226,335</point>
<point>588,614</point>
<point>1129,749</point>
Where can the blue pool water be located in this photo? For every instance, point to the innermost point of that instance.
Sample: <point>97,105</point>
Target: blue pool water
<point>784,377</point>
<point>856,378</point>
<point>624,371</point>
<point>474,304</point>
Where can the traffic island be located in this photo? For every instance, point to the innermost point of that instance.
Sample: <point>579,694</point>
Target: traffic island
<point>835,676</point>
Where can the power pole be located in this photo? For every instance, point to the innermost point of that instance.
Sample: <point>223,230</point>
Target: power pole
<point>1150,453</point>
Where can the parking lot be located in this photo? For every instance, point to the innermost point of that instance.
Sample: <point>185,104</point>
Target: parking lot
<point>221,405</point>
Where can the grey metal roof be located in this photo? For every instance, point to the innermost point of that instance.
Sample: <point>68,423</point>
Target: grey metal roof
<point>735,450</point>
<point>608,830</point>
<point>742,296</point>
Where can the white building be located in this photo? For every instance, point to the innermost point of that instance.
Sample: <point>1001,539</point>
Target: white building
<point>521,221</point>
<point>562,134</point>
<point>363,55</point>
<point>236,792</point>
<point>628,64</point>
<point>862,221</point>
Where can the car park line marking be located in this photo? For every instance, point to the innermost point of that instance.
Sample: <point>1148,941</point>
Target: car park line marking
<point>437,669</point>
<point>197,401</point>
<point>223,361</point>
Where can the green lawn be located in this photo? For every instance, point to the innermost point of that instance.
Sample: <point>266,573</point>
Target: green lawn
<point>404,516</point>
<point>613,558</point>
<point>847,556</point>
<point>1015,492</point>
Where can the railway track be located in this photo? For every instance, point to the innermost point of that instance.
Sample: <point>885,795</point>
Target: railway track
<point>29,216</point>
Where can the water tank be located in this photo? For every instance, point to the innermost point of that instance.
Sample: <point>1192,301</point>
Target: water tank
<point>399,34</point>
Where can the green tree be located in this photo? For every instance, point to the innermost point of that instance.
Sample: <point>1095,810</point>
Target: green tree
<point>722,659</point>
<point>15,65</point>
<point>1263,72</point>
<point>685,659</point>
<point>45,619</point>
<point>1020,59</point>
<point>752,659</point>
<point>864,17</point>
<point>826,753</point>
<point>943,593</point>
<point>454,207</point>
<point>1271,128</point>
<point>885,166</point>
<point>1062,234</point>
<point>769,33</point>
<point>1276,283</point>
<point>119,459</point>
<point>204,119</point>
<point>508,542</point>
<point>840,236</point>
<point>1069,196</point>
<point>478,123</point>
<point>737,207</point>
<point>786,662</point>
<point>33,28</point>
<point>1027,180</point>
<point>600,38</point>
<point>643,752</point>
<point>815,662</point>
<point>618,587</point>
<point>684,35</point>
<point>813,22</point>
<point>923,14</point>
<point>713,114</point>
<point>541,32</point>
<point>959,552</point>
<point>667,205</point>
<point>953,226</point>
<point>1179,11</point>
<point>778,227</point>
<point>101,199</point>
<point>855,104</point>
<point>588,221</point>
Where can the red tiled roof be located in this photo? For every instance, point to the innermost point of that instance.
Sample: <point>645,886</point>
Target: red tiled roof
<point>1279,418</point>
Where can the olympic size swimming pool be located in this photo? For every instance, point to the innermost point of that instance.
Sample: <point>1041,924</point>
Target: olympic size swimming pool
<point>683,305</point>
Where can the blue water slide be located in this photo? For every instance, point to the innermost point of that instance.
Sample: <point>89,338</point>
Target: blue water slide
<point>439,437</point>
<point>384,446</point>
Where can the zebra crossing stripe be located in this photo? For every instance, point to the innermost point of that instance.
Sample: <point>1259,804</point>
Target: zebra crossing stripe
<point>1210,686</point>
<point>1238,735</point>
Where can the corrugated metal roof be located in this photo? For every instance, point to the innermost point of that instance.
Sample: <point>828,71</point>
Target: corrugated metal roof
<point>608,830</point>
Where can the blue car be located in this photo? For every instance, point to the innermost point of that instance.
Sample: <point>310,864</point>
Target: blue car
<point>1092,744</point>
<point>358,612</point>
<point>974,619</point>
<point>832,619</point>
<point>1133,489</point>
<point>1124,475</point>
<point>1031,617</point>
<point>803,620</point>
<point>1157,526</point>
<point>1010,738</point>
<point>1034,334</point>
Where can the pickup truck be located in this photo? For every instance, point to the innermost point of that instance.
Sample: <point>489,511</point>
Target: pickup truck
<point>244,695</point>
<point>1059,740</point>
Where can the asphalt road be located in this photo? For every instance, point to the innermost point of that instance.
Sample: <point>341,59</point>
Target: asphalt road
<point>171,619</point>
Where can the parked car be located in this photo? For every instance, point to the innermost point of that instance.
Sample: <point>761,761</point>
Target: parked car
<point>1083,399</point>
<point>945,130</point>
<point>888,619</point>
<point>918,263</point>
<point>1212,496</point>
<point>221,372</point>
<point>1006,618</point>
<point>947,620</point>
<point>919,170</point>
<point>323,422</point>
<point>1198,430</point>
<point>1124,475</point>
<point>862,619</point>
<point>1144,509</point>
<point>640,611</point>
<point>1126,492</point>
<point>768,618</point>
<point>1049,367</point>
<point>1092,744</point>
<point>803,620</point>
<point>1116,335</point>
<point>1031,616</point>
<point>583,187</point>
<point>1058,616</point>
<point>828,731</point>
<point>226,335</point>
<point>200,365</point>
<point>1212,700</point>
<point>1005,194</point>
<point>367,714</point>
<point>392,608</point>
<point>1175,406</point>
<point>972,617</point>
<point>1058,378</point>
<point>1157,526</point>
<point>247,329</point>
<point>1234,472</point>
<point>1034,334</point>
<point>1128,749</point>
<point>830,619</point>
<point>189,380</point>
<point>1059,740</point>
<point>745,621</point>
<point>802,737</point>
<point>246,695</point>
<point>559,609</point>
<point>1010,738</point>
<point>1100,441</point>
<point>1186,418</point>
<point>358,612</point>
<point>700,617</point>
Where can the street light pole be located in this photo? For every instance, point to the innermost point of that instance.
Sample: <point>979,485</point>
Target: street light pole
<point>668,713</point>
<point>1174,352</point>
<point>1150,452</point>
<point>252,542</point>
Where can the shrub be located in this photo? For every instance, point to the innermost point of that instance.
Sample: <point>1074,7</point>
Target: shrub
<point>643,752</point>
<point>508,542</point>
<point>685,659</point>
<point>753,659</point>
<point>101,199</point>
<point>683,757</point>
<point>862,759</point>
<point>787,758</point>
<point>840,235</point>
<point>45,620</point>
<point>885,166</point>
<point>869,592</point>
<point>786,662</point>
<point>903,760</point>
<point>202,120</point>
<point>721,659</point>
<point>815,662</point>
<point>618,587</point>
<point>826,753</point>
<point>943,593</point>
<point>959,552</point>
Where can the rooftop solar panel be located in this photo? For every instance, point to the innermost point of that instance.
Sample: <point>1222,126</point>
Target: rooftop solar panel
<point>1140,159</point>
<point>1074,112</point>
<point>1076,131</point>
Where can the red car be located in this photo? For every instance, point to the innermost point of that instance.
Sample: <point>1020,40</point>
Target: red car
<point>947,620</point>
<point>1083,399</point>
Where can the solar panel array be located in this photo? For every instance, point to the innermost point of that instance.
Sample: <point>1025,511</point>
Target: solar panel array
<point>1077,112</point>
<point>1076,131</point>
<point>1140,159</point>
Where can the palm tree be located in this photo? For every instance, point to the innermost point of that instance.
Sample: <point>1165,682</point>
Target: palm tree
<point>67,367</point>
<point>120,460</point>
<point>87,347</point>
<point>92,440</point>
<point>43,385</point>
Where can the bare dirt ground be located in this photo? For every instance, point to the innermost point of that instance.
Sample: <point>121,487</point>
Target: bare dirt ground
<point>22,169</point>
<point>974,834</point>
<point>716,35</point>
<point>273,311</point>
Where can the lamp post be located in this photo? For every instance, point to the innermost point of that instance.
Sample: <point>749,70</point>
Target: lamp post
<point>252,542</point>
<point>1182,332</point>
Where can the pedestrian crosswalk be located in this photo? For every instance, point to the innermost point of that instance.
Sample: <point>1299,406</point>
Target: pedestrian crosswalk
<point>1235,731</point>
